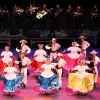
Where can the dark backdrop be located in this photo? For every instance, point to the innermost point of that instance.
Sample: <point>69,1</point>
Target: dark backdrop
<point>50,2</point>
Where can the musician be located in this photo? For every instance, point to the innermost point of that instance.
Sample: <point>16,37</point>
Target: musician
<point>78,18</point>
<point>25,63</point>
<point>84,45</point>
<point>23,47</point>
<point>44,19</point>
<point>51,18</point>
<point>61,63</point>
<point>44,7</point>
<point>94,17</point>
<point>94,11</point>
<point>69,17</point>
<point>17,18</point>
<point>58,11</point>
<point>32,9</point>
<point>54,49</point>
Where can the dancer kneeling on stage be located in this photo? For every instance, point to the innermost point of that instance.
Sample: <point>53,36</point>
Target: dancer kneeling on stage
<point>48,80</point>
<point>81,79</point>
<point>11,78</point>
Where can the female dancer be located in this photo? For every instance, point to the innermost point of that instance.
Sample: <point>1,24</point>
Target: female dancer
<point>81,78</point>
<point>39,57</point>
<point>11,78</point>
<point>6,56</point>
<point>47,79</point>
<point>72,58</point>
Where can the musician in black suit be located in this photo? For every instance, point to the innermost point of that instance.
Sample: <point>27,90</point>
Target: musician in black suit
<point>58,11</point>
<point>69,15</point>
<point>94,17</point>
<point>78,18</point>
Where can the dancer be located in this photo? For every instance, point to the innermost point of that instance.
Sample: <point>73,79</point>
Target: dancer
<point>11,78</point>
<point>39,58</point>
<point>81,78</point>
<point>6,55</point>
<point>84,45</point>
<point>61,63</point>
<point>47,79</point>
<point>23,47</point>
<point>95,60</point>
<point>72,58</point>
<point>54,48</point>
<point>25,63</point>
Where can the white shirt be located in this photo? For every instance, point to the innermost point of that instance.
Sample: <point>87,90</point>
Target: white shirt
<point>47,70</point>
<point>40,55</point>
<point>6,56</point>
<point>85,45</point>
<point>25,61</point>
<point>97,60</point>
<point>74,52</point>
<point>10,73</point>
<point>26,49</point>
<point>55,47</point>
<point>81,73</point>
<point>61,63</point>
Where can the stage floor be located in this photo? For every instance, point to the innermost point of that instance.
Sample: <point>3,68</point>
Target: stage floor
<point>31,92</point>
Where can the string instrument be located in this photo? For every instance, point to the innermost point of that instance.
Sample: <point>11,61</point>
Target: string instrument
<point>76,14</point>
<point>41,14</point>
<point>32,9</point>
<point>94,15</point>
<point>58,12</point>
<point>19,10</point>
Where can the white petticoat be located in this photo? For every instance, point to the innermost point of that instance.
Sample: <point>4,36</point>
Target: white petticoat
<point>81,75</point>
<point>40,58</point>
<point>6,59</point>
<point>74,55</point>
<point>47,74</point>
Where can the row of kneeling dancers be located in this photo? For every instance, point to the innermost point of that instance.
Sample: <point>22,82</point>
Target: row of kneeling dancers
<point>82,69</point>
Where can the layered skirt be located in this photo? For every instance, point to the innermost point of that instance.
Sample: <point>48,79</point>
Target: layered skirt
<point>72,60</point>
<point>48,84</point>
<point>36,64</point>
<point>83,85</point>
<point>12,85</point>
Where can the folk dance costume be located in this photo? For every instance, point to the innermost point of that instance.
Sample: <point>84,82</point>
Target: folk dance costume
<point>80,79</point>
<point>39,58</point>
<point>61,64</point>
<point>47,79</point>
<point>96,60</point>
<point>6,57</point>
<point>11,79</point>
<point>54,48</point>
<point>73,57</point>
<point>23,47</point>
<point>84,45</point>
<point>25,63</point>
